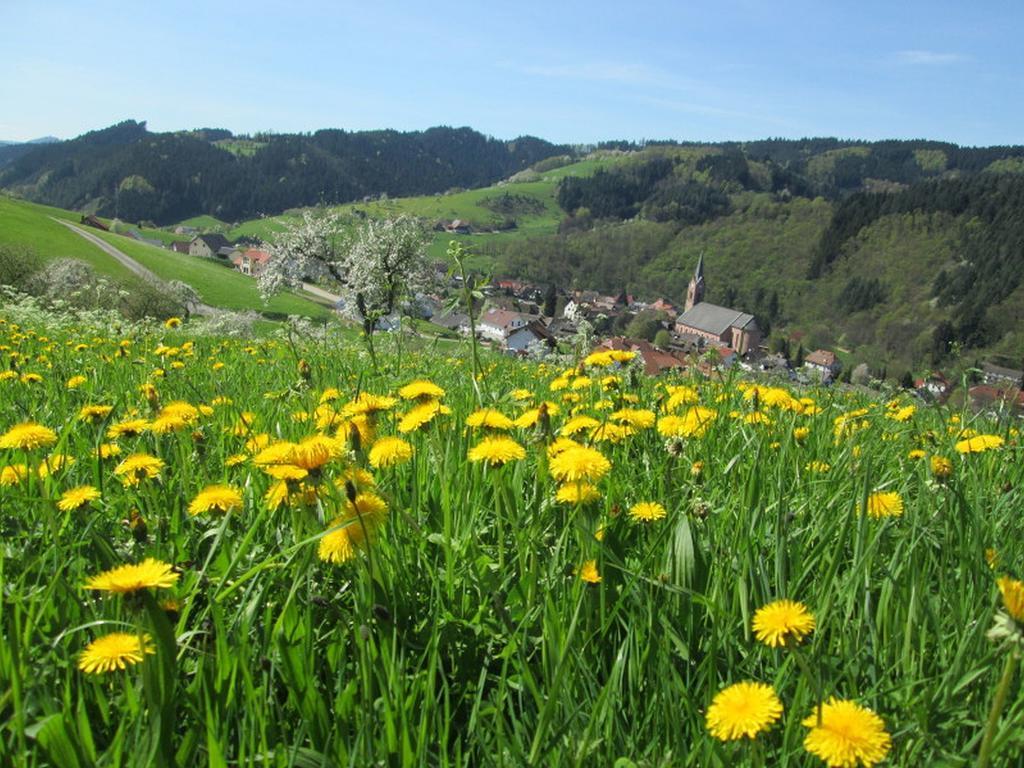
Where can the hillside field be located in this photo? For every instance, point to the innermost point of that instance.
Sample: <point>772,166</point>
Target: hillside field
<point>274,553</point>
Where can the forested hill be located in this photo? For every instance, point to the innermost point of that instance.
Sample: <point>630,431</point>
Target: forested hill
<point>127,171</point>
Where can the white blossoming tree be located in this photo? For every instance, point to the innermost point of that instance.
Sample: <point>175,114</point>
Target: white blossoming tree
<point>375,269</point>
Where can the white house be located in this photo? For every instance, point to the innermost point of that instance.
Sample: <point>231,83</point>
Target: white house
<point>497,324</point>
<point>823,363</point>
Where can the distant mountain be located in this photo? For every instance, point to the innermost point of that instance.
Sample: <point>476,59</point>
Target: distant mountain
<point>12,150</point>
<point>40,140</point>
<point>127,171</point>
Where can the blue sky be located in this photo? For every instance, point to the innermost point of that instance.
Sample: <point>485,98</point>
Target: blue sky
<point>575,72</point>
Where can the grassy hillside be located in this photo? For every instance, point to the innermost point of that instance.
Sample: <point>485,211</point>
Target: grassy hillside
<point>29,225</point>
<point>528,198</point>
<point>422,592</point>
<point>217,284</point>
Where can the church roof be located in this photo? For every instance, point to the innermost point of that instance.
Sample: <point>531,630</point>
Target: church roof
<point>712,318</point>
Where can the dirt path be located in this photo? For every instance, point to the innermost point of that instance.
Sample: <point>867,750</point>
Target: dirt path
<point>128,262</point>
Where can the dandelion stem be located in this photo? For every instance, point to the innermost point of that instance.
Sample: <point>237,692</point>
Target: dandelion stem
<point>998,701</point>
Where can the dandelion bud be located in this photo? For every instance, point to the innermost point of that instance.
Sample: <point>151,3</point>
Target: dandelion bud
<point>350,492</point>
<point>304,370</point>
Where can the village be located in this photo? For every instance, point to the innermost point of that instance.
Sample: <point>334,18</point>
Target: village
<point>522,318</point>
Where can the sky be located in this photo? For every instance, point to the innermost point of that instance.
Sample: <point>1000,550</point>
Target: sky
<point>570,72</point>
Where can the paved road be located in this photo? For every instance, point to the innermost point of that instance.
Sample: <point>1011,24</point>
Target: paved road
<point>128,262</point>
<point>147,274</point>
<point>321,293</point>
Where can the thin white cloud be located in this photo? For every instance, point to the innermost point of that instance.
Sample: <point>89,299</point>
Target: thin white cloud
<point>918,56</point>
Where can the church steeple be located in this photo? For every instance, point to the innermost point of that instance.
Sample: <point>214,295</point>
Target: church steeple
<point>695,290</point>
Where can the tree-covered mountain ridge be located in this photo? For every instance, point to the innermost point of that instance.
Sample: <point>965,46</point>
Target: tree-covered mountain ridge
<point>131,173</point>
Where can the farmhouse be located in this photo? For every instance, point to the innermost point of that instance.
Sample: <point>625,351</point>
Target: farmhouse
<point>823,363</point>
<point>207,246</point>
<point>251,261</point>
<point>498,324</point>
<point>720,325</point>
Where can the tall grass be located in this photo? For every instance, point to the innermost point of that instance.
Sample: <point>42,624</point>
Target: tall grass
<point>463,635</point>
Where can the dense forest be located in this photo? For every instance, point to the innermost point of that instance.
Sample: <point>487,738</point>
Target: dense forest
<point>128,172</point>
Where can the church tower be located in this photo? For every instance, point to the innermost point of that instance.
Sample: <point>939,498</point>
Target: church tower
<point>695,290</point>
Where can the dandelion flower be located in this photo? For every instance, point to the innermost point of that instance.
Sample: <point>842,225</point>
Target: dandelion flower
<point>847,735</point>
<point>743,710</point>
<point>138,467</point>
<point>489,418</point>
<point>782,621</point>
<point>979,444</point>
<point>588,572</point>
<point>114,651</point>
<point>313,452</point>
<point>127,428</point>
<point>421,415</point>
<point>885,504</point>
<point>647,511</point>
<point>942,467</point>
<point>352,530</point>
<point>76,498</point>
<point>125,579</point>
<point>421,389</point>
<point>13,474</point>
<point>579,463</point>
<point>577,493</point>
<point>75,382</point>
<point>216,498</point>
<point>28,436</point>
<point>94,413</point>
<point>637,418</point>
<point>1012,591</point>
<point>172,322</point>
<point>578,424</point>
<point>390,452</point>
<point>497,451</point>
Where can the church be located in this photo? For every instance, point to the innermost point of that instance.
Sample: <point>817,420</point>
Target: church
<point>721,326</point>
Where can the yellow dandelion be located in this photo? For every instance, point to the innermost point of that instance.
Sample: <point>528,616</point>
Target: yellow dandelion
<point>313,452</point>
<point>354,529</point>
<point>496,451</point>
<point>847,735</point>
<point>13,474</point>
<point>979,444</point>
<point>216,498</point>
<point>421,415</point>
<point>577,493</point>
<point>138,467</point>
<point>125,579</point>
<point>127,428</point>
<point>782,622</point>
<point>588,572</point>
<point>390,452</point>
<point>488,418</point>
<point>368,404</point>
<point>1012,591</point>
<point>578,424</point>
<point>75,382</point>
<point>28,436</point>
<point>800,434</point>
<point>421,389</point>
<point>942,467</point>
<point>885,504</point>
<point>742,711</point>
<point>579,464</point>
<point>172,322</point>
<point>117,650</point>
<point>76,498</point>
<point>647,511</point>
